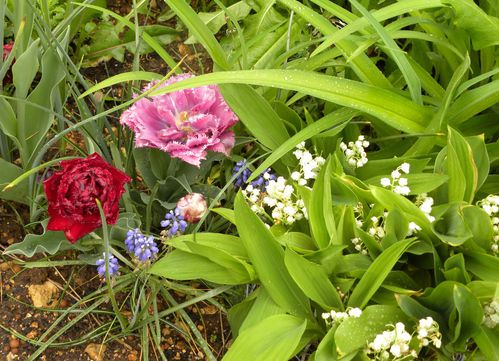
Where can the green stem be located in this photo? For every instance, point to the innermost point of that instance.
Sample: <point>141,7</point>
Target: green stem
<point>107,252</point>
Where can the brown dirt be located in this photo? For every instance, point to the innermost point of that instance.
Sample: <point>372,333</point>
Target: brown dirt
<point>21,322</point>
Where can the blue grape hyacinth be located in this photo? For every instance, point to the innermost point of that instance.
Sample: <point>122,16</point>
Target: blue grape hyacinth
<point>240,181</point>
<point>145,248</point>
<point>261,182</point>
<point>174,222</point>
<point>113,265</point>
<point>131,238</point>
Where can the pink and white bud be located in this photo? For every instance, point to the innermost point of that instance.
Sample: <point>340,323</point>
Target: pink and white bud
<point>192,207</point>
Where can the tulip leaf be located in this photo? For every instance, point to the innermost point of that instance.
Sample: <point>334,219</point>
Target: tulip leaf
<point>49,242</point>
<point>7,175</point>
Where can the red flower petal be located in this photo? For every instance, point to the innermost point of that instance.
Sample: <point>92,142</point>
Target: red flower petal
<point>58,223</point>
<point>79,230</point>
<point>71,194</point>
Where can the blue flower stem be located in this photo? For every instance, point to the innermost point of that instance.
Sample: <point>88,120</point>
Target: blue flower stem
<point>105,234</point>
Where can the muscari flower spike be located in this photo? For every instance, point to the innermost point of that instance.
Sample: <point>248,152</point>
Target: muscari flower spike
<point>113,265</point>
<point>174,222</point>
<point>261,182</point>
<point>131,238</point>
<point>145,248</point>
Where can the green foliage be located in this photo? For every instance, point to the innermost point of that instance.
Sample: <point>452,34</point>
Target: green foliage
<point>417,79</point>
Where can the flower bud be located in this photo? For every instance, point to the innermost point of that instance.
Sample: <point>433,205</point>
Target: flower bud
<point>192,207</point>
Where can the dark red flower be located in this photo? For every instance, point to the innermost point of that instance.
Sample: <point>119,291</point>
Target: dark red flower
<point>72,191</point>
<point>7,48</point>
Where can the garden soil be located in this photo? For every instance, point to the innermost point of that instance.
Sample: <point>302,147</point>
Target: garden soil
<point>57,288</point>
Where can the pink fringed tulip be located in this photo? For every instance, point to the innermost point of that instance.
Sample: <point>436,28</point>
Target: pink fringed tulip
<point>192,207</point>
<point>186,123</point>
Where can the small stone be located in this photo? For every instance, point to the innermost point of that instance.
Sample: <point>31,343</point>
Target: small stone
<point>14,343</point>
<point>32,334</point>
<point>43,295</point>
<point>16,268</point>
<point>210,309</point>
<point>95,351</point>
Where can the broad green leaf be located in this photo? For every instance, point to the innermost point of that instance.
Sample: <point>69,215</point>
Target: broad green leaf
<point>482,265</point>
<point>256,114</point>
<point>480,157</point>
<point>24,70</point>
<point>472,102</point>
<point>459,313</point>
<point>470,316</point>
<point>417,182</point>
<point>455,269</point>
<point>313,280</point>
<point>224,242</point>
<point>390,107</point>
<point>227,213</point>
<point>376,273</point>
<point>479,224</point>
<point>392,200</point>
<point>484,290</point>
<point>416,310</point>
<point>451,226</point>
<point>319,200</point>
<point>180,265</point>
<point>481,27</point>
<point>50,242</point>
<point>267,258</point>
<point>378,167</point>
<point>297,241</point>
<point>326,350</point>
<point>35,123</point>
<point>262,308</point>
<point>8,123</point>
<point>273,339</point>
<point>461,168</point>
<point>487,340</point>
<point>353,333</point>
<point>223,258</point>
<point>9,173</point>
